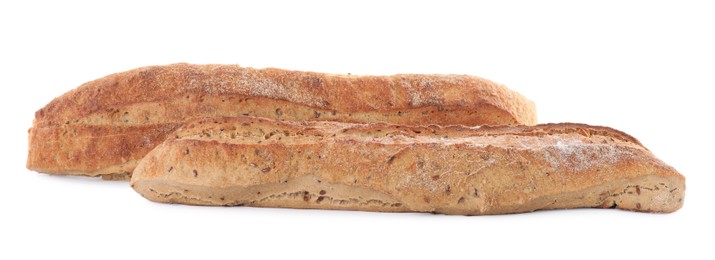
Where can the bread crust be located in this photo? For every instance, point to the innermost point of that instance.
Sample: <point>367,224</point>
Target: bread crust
<point>382,167</point>
<point>151,102</point>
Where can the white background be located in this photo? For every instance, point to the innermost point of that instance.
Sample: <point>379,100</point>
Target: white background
<point>642,67</point>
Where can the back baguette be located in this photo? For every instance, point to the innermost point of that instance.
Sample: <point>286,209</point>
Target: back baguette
<point>381,167</point>
<point>104,127</point>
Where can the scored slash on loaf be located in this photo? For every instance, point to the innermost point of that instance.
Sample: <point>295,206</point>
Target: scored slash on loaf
<point>383,167</point>
<point>104,127</point>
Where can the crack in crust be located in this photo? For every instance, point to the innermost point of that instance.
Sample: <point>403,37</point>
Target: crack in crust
<point>224,129</point>
<point>614,200</point>
<point>177,197</point>
<point>308,196</point>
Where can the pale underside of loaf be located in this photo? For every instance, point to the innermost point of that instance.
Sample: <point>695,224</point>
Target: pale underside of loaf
<point>104,127</point>
<point>381,167</point>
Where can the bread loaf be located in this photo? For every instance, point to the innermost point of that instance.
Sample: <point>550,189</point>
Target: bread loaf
<point>105,126</point>
<point>247,161</point>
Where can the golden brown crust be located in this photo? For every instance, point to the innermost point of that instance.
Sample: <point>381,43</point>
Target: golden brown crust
<point>159,98</point>
<point>93,150</point>
<point>382,167</point>
<point>328,92</point>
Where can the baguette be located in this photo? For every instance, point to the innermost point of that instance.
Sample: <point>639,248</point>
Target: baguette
<point>104,127</point>
<point>247,161</point>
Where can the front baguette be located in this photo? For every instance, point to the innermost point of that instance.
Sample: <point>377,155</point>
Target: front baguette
<point>105,126</point>
<point>381,167</point>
